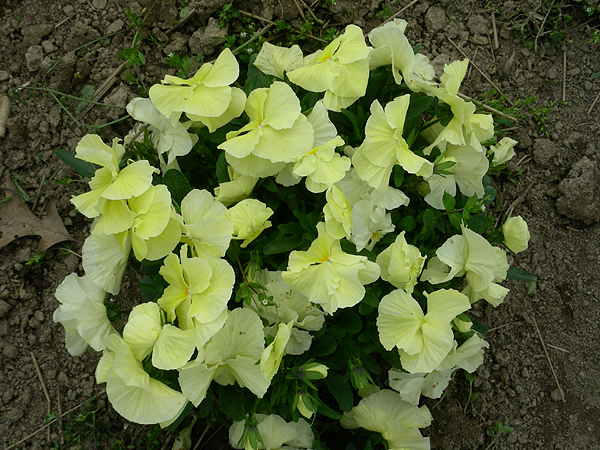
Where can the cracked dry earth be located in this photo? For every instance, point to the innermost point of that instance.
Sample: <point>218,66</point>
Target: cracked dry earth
<point>554,184</point>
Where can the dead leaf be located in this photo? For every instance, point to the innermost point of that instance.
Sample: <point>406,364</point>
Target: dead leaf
<point>17,220</point>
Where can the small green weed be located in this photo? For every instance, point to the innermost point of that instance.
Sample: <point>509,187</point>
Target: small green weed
<point>36,259</point>
<point>496,431</point>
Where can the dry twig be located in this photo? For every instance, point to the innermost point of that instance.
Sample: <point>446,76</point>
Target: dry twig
<point>299,9</point>
<point>501,326</point>
<point>262,19</point>
<point>389,19</point>
<point>44,388</point>
<point>103,89</point>
<point>564,93</point>
<point>593,103</point>
<point>43,427</point>
<point>558,348</point>
<point>542,26</point>
<point>489,108</point>
<point>201,438</point>
<point>560,390</point>
<point>496,44</point>
<point>518,200</point>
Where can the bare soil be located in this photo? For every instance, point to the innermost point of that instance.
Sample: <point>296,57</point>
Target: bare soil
<point>554,184</point>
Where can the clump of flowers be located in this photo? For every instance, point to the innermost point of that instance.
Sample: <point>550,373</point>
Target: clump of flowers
<point>306,251</point>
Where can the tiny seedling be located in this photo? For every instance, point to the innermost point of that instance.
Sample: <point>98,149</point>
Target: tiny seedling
<point>496,431</point>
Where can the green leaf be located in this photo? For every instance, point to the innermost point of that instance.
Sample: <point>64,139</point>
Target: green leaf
<point>306,221</point>
<point>407,224</point>
<point>83,168</point>
<point>418,105</point>
<point>341,391</point>
<point>398,176</point>
<point>328,412</point>
<point>206,406</point>
<point>455,219</point>
<point>177,184</point>
<point>364,309</point>
<point>231,400</point>
<point>324,346</point>
<point>479,327</point>
<point>370,364</point>
<point>371,299</point>
<point>281,245</point>
<point>348,320</point>
<point>489,191</point>
<point>478,223</point>
<point>222,173</point>
<point>449,202</point>
<point>520,275</point>
<point>255,78</point>
<point>429,219</point>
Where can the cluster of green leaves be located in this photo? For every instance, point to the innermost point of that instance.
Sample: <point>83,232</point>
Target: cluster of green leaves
<point>551,20</point>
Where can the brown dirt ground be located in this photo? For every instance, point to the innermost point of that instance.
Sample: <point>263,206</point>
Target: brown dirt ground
<point>555,186</point>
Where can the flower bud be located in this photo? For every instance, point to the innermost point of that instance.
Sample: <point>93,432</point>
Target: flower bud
<point>516,234</point>
<point>305,404</point>
<point>312,371</point>
<point>359,376</point>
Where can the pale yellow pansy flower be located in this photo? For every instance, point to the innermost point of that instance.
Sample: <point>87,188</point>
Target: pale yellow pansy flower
<point>275,433</point>
<point>411,386</point>
<point>493,293</point>
<point>168,136</point>
<point>423,340</point>
<point>82,313</point>
<point>516,234</point>
<point>370,224</point>
<point>249,219</point>
<point>146,332</point>
<point>203,284</point>
<point>287,306</point>
<point>262,110</point>
<point>206,94</point>
<point>341,70</point>
<point>230,356</point>
<point>356,189</point>
<point>465,127</point>
<point>338,214</point>
<point>110,185</point>
<point>132,392</point>
<point>237,189</point>
<point>386,413</point>
<point>392,48</point>
<point>275,60</point>
<point>272,355</point>
<point>105,258</point>
<point>401,264</point>
<point>327,275</point>
<point>322,166</point>
<point>235,109</point>
<point>503,151</point>
<point>469,254</point>
<point>277,131</point>
<point>155,230</point>
<point>384,146</point>
<point>205,227</point>
<point>469,356</point>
